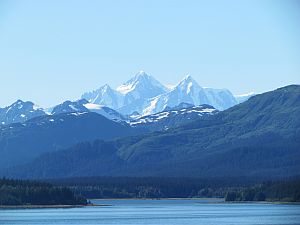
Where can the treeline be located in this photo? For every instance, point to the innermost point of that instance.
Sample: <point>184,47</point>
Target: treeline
<point>21,192</point>
<point>232,189</point>
<point>68,191</point>
<point>282,191</point>
<point>150,187</point>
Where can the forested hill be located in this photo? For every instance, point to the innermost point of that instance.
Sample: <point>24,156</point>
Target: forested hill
<point>20,192</point>
<point>23,142</point>
<point>258,138</point>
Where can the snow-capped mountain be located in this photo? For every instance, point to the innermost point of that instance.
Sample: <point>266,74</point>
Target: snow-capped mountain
<point>19,111</point>
<point>82,106</point>
<point>142,95</point>
<point>69,107</point>
<point>140,86</point>
<point>145,95</point>
<point>170,117</point>
<point>130,96</point>
<point>220,98</point>
<point>22,111</point>
<point>138,90</point>
<point>243,97</point>
<point>105,95</point>
<point>189,91</point>
<point>173,117</point>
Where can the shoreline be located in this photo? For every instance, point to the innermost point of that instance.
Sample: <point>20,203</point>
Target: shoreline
<point>211,200</point>
<point>156,198</point>
<point>47,206</point>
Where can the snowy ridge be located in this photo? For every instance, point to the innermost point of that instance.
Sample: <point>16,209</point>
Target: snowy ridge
<point>105,111</point>
<point>176,115</point>
<point>19,111</point>
<point>70,107</point>
<point>83,106</point>
<point>189,91</point>
<point>105,95</point>
<point>170,117</point>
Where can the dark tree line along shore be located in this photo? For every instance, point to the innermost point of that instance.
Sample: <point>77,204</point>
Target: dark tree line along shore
<point>232,189</point>
<point>281,191</point>
<point>21,192</point>
<point>69,191</point>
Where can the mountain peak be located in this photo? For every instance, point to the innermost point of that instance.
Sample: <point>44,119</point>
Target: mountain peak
<point>139,76</point>
<point>19,101</point>
<point>187,83</point>
<point>19,111</point>
<point>188,78</point>
<point>140,81</point>
<point>142,75</point>
<point>105,87</point>
<point>70,107</point>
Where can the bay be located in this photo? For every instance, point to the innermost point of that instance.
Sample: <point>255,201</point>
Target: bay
<point>166,212</point>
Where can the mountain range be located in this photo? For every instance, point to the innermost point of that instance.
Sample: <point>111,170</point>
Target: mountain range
<point>144,128</point>
<point>257,138</point>
<point>172,117</point>
<point>145,95</point>
<point>73,122</point>
<point>142,95</point>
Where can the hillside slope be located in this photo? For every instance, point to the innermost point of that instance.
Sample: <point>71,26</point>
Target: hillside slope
<point>22,142</point>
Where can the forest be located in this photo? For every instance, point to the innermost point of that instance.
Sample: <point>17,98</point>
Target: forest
<point>75,191</point>
<point>232,189</point>
<point>281,191</point>
<point>25,192</point>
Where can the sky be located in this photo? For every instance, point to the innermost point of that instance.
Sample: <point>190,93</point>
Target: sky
<point>55,50</point>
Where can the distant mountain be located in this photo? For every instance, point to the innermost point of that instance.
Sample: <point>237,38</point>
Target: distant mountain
<point>73,122</point>
<point>169,118</point>
<point>142,94</point>
<point>189,91</point>
<point>220,98</point>
<point>83,105</point>
<point>106,96</point>
<point>138,90</point>
<point>19,111</point>
<point>106,112</point>
<point>257,138</point>
<point>173,117</point>
<point>128,97</point>
<point>141,86</point>
<point>243,97</point>
<point>22,142</point>
<point>68,107</point>
<point>146,95</point>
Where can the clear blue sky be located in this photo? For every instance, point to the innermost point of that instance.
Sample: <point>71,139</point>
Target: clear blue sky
<point>57,49</point>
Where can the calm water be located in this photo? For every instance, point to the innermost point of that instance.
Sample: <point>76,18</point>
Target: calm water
<point>155,212</point>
